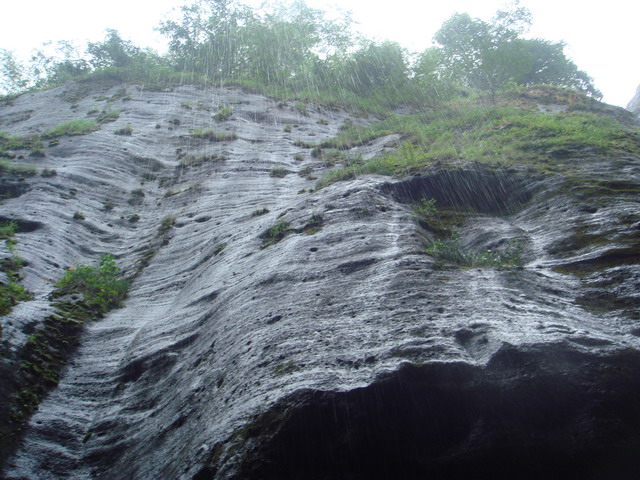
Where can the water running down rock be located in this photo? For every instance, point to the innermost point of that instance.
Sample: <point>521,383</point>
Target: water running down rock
<point>340,350</point>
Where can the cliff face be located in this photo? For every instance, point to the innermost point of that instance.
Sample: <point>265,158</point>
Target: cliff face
<point>634,104</point>
<point>331,346</point>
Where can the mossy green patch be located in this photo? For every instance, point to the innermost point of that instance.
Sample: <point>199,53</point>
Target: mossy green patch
<point>73,127</point>
<point>49,347</point>
<point>212,135</point>
<point>275,233</point>
<point>199,160</point>
<point>497,135</point>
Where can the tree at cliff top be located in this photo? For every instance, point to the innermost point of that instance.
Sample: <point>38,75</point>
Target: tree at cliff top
<point>226,40</point>
<point>295,49</point>
<point>491,55</point>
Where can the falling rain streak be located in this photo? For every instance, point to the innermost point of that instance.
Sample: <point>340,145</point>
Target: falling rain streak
<point>345,260</point>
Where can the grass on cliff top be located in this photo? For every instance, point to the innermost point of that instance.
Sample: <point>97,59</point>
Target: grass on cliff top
<point>502,135</point>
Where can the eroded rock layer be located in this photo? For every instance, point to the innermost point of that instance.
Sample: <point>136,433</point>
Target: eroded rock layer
<point>272,331</point>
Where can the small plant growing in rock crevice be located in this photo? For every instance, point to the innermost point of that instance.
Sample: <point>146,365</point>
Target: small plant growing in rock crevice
<point>278,172</point>
<point>126,131</point>
<point>306,172</point>
<point>8,229</point>
<point>212,135</point>
<point>198,160</point>
<point>11,292</point>
<point>137,197</point>
<point>223,114</point>
<point>301,108</point>
<point>427,207</point>
<point>260,211</point>
<point>219,248</point>
<point>275,234</point>
<point>107,116</point>
<point>166,224</point>
<point>73,127</point>
<point>314,224</point>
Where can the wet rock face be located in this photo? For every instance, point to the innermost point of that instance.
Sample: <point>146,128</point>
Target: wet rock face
<point>453,421</point>
<point>634,105</point>
<point>274,332</point>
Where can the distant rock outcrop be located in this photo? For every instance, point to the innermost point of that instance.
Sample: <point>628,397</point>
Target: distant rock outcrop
<point>274,331</point>
<point>634,105</point>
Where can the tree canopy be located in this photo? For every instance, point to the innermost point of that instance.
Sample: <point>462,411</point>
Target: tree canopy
<point>298,48</point>
<point>489,55</point>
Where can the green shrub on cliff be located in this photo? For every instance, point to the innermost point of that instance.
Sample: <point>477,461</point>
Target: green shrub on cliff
<point>72,127</point>
<point>102,285</point>
<point>450,251</point>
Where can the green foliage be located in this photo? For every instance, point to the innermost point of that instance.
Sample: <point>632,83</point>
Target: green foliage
<point>167,223</point>
<point>8,229</point>
<point>14,142</point>
<point>101,285</point>
<point>19,170</point>
<point>212,135</point>
<point>72,127</point>
<point>305,172</point>
<point>427,207</point>
<point>490,55</point>
<point>450,251</point>
<point>502,135</point>
<point>313,225</point>
<point>51,65</point>
<point>278,172</point>
<point>13,77</point>
<point>112,52</point>
<point>127,130</point>
<point>260,211</point>
<point>296,53</point>
<point>108,115</point>
<point>275,233</point>
<point>219,248</point>
<point>10,294</point>
<point>223,114</point>
<point>48,172</point>
<point>198,160</point>
<point>382,66</point>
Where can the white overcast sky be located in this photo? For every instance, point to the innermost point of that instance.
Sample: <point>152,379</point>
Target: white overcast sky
<point>601,37</point>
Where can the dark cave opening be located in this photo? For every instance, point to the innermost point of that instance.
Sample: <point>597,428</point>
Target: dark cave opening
<point>520,418</point>
<point>483,190</point>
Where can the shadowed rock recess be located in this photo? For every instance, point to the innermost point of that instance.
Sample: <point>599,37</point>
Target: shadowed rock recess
<point>272,331</point>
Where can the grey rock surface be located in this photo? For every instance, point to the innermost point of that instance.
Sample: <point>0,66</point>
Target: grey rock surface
<point>634,104</point>
<point>346,353</point>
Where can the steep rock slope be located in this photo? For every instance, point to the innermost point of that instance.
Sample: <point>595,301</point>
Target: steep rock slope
<point>275,332</point>
<point>634,104</point>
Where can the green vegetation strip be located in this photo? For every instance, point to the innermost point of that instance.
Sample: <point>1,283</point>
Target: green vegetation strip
<point>11,292</point>
<point>49,348</point>
<point>499,135</point>
<point>73,127</point>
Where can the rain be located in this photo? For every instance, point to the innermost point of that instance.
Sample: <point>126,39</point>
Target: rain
<point>278,247</point>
